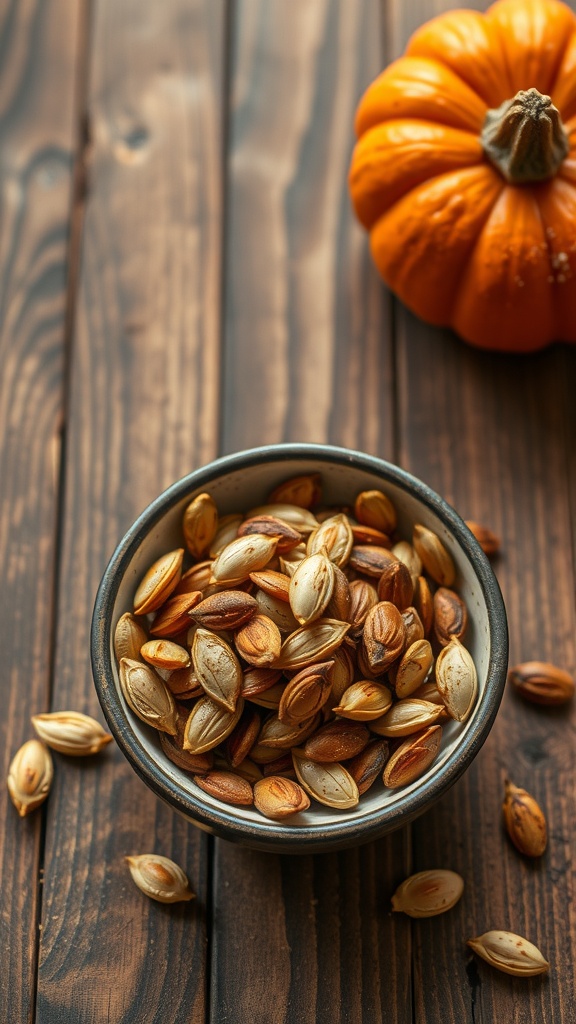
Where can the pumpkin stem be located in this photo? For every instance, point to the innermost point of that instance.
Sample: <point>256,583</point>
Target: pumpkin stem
<point>524,137</point>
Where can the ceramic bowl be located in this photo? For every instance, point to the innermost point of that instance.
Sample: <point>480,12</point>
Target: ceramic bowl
<point>237,483</point>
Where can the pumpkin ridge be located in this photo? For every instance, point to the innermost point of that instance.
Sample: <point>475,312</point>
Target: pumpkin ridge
<point>566,108</point>
<point>402,289</point>
<point>559,62</point>
<point>542,23</point>
<point>410,83</point>
<point>427,41</point>
<point>467,259</point>
<point>557,269</point>
<point>476,308</point>
<point>405,163</point>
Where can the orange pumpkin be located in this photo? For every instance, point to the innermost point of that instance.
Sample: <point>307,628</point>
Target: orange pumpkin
<point>464,173</point>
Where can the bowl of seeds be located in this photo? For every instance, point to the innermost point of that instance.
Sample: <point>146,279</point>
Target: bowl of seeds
<point>299,647</point>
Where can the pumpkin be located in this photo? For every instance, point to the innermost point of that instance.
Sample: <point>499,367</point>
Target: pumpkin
<point>464,173</point>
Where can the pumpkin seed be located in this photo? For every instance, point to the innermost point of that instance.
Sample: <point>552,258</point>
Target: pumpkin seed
<point>275,584</point>
<point>294,515</point>
<point>337,741</point>
<point>283,735</point>
<point>525,821</point>
<point>364,701</point>
<point>342,673</point>
<point>312,642</point>
<point>196,578</point>
<point>329,784</point>
<point>217,668</point>
<point>383,636</point>
<point>30,776</point>
<point>407,554</point>
<point>174,615</point>
<point>159,878</point>
<point>147,695</point>
<point>456,679</point>
<point>209,724</point>
<point>334,536</point>
<point>270,698</point>
<point>199,524</point>
<point>428,893</point>
<point>450,615</point>
<point>371,559</point>
<point>423,603</point>
<point>71,732</point>
<point>306,693</point>
<point>363,597</point>
<point>129,637</point>
<point>243,737</point>
<point>257,680</point>
<point>413,668</point>
<point>184,683</point>
<point>542,683</point>
<point>173,747</point>
<point>413,757</point>
<point>487,540</point>
<point>510,953</point>
<point>406,717</point>
<point>242,556</point>
<point>158,582</point>
<point>227,787</point>
<point>278,798</point>
<point>375,509</point>
<point>339,605</point>
<point>435,558</point>
<point>368,764</point>
<point>259,641</point>
<point>227,609</point>
<point>304,490</point>
<point>311,587</point>
<point>165,654</point>
<point>414,630</point>
<point>395,585</point>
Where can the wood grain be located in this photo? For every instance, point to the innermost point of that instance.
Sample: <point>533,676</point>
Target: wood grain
<point>39,52</point>
<point>317,937</point>
<point>226,299</point>
<point>142,413</point>
<point>306,324</point>
<point>511,481</point>
<point>490,432</point>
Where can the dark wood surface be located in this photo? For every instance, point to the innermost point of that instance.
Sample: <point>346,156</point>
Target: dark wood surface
<point>181,276</point>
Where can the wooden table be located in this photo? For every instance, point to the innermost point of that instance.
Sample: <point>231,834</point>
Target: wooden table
<point>181,277</point>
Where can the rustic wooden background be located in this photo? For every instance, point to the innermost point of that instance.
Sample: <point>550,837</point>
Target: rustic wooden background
<point>181,276</point>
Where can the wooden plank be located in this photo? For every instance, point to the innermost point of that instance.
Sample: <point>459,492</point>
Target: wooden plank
<point>143,411</point>
<point>39,51</point>
<point>317,942</point>
<point>307,356</point>
<point>508,470</point>
<point>492,434</point>
<point>306,328</point>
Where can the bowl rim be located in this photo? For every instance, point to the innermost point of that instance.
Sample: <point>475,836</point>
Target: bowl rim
<point>276,835</point>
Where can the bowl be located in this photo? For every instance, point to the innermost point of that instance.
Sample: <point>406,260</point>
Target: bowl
<point>237,483</point>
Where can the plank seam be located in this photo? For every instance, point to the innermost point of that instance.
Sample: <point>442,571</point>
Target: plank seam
<point>78,192</point>
<point>226,117</point>
<point>230,16</point>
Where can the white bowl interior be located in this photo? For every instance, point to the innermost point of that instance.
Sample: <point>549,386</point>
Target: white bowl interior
<point>245,488</point>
